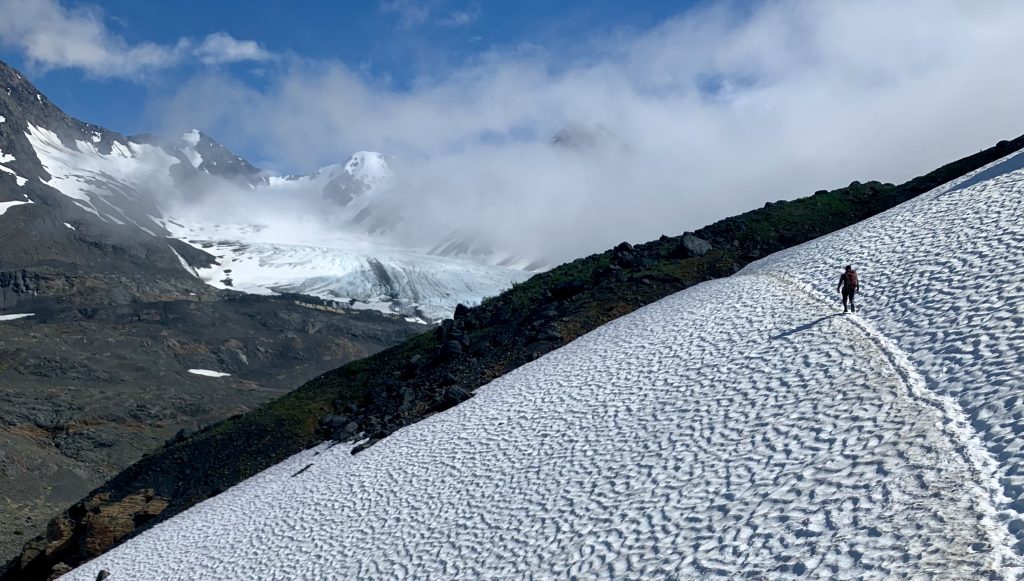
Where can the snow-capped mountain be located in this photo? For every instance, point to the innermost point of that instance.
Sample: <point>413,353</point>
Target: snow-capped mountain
<point>206,156</point>
<point>190,188</point>
<point>740,428</point>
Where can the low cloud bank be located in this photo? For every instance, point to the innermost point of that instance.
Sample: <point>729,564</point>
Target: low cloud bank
<point>709,114</point>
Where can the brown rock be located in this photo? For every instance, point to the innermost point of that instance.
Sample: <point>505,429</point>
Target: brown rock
<point>58,570</point>
<point>58,532</point>
<point>106,523</point>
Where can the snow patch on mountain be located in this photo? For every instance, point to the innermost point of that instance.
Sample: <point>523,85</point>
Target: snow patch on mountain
<point>184,263</point>
<point>15,316</point>
<point>4,206</point>
<point>208,373</point>
<point>8,158</point>
<point>17,178</point>
<point>741,428</point>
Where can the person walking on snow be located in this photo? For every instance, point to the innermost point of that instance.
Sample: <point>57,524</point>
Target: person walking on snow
<point>848,285</point>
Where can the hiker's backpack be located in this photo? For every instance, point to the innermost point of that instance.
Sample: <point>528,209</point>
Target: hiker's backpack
<point>851,280</point>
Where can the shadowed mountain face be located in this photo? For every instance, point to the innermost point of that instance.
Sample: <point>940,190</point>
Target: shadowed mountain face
<point>102,315</point>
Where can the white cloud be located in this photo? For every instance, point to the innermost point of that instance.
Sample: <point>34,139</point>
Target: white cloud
<point>410,12</point>
<point>416,13</point>
<point>459,18</point>
<point>219,48</point>
<point>53,36</point>
<point>723,109</point>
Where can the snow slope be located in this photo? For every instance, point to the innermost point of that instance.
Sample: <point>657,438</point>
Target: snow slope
<point>741,427</point>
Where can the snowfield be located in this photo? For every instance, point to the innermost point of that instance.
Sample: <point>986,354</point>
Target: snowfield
<point>743,427</point>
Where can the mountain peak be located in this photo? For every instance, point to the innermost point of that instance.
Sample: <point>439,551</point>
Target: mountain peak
<point>205,154</point>
<point>364,172</point>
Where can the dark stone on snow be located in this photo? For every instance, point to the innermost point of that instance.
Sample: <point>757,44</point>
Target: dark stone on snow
<point>364,446</point>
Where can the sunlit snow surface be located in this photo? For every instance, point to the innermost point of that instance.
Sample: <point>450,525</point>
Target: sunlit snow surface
<point>356,269</point>
<point>15,316</point>
<point>209,373</point>
<point>8,158</point>
<point>741,427</point>
<point>4,206</point>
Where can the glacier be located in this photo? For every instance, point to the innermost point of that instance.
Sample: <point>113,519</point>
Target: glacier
<point>359,271</point>
<point>742,427</point>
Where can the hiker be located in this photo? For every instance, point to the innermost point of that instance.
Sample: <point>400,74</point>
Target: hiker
<point>848,285</point>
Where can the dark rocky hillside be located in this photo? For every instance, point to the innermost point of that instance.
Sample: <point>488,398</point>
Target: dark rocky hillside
<point>85,390</point>
<point>371,398</point>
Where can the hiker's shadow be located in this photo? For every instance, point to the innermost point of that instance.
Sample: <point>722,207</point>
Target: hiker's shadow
<point>804,327</point>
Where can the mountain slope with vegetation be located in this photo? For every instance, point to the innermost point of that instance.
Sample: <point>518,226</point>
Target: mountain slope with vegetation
<point>371,398</point>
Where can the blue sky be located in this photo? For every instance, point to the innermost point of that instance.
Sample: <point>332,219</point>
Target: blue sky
<point>390,42</point>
